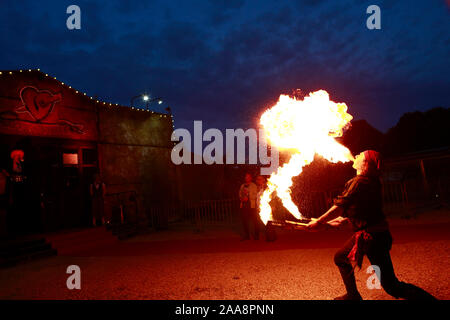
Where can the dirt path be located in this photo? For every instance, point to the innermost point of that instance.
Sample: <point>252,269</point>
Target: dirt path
<point>216,265</point>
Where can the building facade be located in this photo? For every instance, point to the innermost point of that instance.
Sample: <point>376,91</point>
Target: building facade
<point>57,138</point>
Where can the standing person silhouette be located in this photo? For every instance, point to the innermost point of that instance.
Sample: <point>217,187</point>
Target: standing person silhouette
<point>98,191</point>
<point>361,204</point>
<point>247,196</point>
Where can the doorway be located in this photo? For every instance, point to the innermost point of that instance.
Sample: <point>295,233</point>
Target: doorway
<point>58,174</point>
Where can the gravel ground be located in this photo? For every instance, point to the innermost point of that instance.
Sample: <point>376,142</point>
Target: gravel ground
<point>215,264</point>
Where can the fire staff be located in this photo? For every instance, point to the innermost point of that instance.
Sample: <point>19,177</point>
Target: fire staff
<point>361,204</point>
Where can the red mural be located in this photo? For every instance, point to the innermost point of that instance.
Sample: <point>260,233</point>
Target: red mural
<point>37,105</point>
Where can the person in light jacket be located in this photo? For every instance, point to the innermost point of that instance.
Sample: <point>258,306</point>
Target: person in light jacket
<point>247,196</point>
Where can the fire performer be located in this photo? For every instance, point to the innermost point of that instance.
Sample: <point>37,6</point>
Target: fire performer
<point>361,204</point>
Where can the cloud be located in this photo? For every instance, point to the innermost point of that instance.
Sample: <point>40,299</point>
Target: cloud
<point>225,61</point>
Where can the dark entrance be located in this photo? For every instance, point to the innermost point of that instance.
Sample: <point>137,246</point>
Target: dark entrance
<point>55,195</point>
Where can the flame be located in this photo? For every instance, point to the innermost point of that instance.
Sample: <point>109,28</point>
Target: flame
<point>305,128</point>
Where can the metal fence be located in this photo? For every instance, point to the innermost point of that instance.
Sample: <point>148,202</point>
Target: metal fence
<point>204,212</point>
<point>213,211</point>
<point>226,211</point>
<point>395,197</point>
<point>312,204</point>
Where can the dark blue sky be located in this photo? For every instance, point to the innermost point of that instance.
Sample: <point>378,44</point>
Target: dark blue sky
<point>225,61</point>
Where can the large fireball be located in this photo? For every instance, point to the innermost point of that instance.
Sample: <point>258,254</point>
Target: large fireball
<point>304,128</point>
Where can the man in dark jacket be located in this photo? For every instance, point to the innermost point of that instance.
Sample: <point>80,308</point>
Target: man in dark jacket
<point>361,204</point>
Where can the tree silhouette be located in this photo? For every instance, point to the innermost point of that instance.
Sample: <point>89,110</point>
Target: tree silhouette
<point>418,131</point>
<point>362,136</point>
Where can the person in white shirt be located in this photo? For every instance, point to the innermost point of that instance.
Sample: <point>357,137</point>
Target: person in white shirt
<point>247,196</point>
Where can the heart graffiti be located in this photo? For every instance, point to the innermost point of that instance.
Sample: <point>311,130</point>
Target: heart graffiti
<point>38,103</point>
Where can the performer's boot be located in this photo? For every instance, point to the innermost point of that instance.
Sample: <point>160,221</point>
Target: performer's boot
<point>406,291</point>
<point>348,276</point>
<point>349,297</point>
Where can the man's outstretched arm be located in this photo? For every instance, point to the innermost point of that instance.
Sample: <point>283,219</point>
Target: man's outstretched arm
<point>331,214</point>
